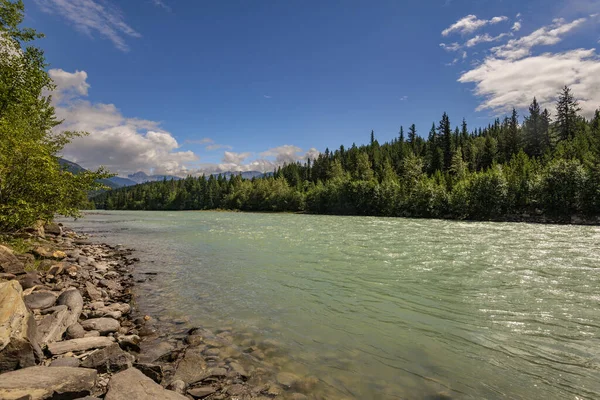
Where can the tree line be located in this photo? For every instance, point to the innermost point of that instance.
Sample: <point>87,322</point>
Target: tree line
<point>547,164</point>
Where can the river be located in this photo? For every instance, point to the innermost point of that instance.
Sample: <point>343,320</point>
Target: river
<point>382,308</point>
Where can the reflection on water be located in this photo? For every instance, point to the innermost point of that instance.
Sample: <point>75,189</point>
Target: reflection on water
<point>379,308</point>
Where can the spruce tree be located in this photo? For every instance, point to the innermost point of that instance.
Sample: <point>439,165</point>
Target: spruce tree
<point>567,108</point>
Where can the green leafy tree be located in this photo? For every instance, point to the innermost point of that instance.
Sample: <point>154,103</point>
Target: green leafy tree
<point>33,185</point>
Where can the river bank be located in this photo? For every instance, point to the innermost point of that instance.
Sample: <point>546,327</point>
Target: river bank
<point>70,329</point>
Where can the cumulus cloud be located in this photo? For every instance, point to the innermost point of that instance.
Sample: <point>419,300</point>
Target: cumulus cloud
<point>470,24</point>
<point>511,75</point>
<point>230,157</point>
<point>516,26</point>
<point>506,83</point>
<point>93,16</point>
<point>547,35</point>
<point>124,145</point>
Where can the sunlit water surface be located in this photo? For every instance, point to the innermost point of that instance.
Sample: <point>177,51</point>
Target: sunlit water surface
<point>380,308</point>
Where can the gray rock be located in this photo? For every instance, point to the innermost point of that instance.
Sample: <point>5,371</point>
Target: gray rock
<point>153,352</point>
<point>29,280</point>
<point>93,292</point>
<point>9,263</point>
<point>73,300</point>
<point>82,344</point>
<point>18,335</point>
<point>109,359</point>
<point>152,371</point>
<point>131,384</point>
<point>192,368</point>
<point>66,362</point>
<point>47,383</point>
<point>53,326</point>
<point>41,299</point>
<point>177,386</point>
<point>75,331</point>
<point>239,370</point>
<point>201,392</point>
<point>287,379</point>
<point>102,325</point>
<point>129,343</point>
<point>53,229</point>
<point>92,334</point>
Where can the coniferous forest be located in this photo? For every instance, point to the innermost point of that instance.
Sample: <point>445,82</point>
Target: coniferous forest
<point>543,165</point>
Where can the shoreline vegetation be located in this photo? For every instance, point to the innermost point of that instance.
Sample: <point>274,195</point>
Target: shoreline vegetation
<point>69,330</point>
<point>535,170</point>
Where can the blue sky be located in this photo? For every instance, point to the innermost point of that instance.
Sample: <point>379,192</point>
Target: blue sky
<point>175,86</point>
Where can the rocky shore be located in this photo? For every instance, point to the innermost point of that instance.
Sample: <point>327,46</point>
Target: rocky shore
<point>68,331</point>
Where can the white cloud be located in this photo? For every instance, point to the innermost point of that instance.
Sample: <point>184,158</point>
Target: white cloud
<point>450,47</point>
<point>266,96</point>
<point>470,24</point>
<point>124,145</point>
<point>547,35</point>
<point>230,157</point>
<point>516,27</point>
<point>89,16</point>
<point>485,38</point>
<point>506,83</point>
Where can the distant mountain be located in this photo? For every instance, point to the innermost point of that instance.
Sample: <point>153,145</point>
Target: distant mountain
<point>244,174</point>
<point>114,183</point>
<point>142,177</point>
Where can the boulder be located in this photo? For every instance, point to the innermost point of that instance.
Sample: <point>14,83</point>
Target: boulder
<point>41,299</point>
<point>53,229</point>
<point>102,325</point>
<point>9,263</point>
<point>47,383</point>
<point>153,352</point>
<point>131,384</point>
<point>75,331</point>
<point>109,359</point>
<point>192,368</point>
<point>73,300</point>
<point>53,326</point>
<point>18,336</point>
<point>82,344</point>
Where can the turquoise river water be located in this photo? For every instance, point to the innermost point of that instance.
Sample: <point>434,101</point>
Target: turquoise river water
<point>381,308</point>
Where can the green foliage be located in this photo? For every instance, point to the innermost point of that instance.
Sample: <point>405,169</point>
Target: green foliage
<point>493,173</point>
<point>33,185</point>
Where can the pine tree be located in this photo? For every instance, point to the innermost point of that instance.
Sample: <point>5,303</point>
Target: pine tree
<point>567,108</point>
<point>412,136</point>
<point>534,139</point>
<point>445,133</point>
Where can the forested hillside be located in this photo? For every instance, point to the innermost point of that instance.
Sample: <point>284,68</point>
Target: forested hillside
<point>547,163</point>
